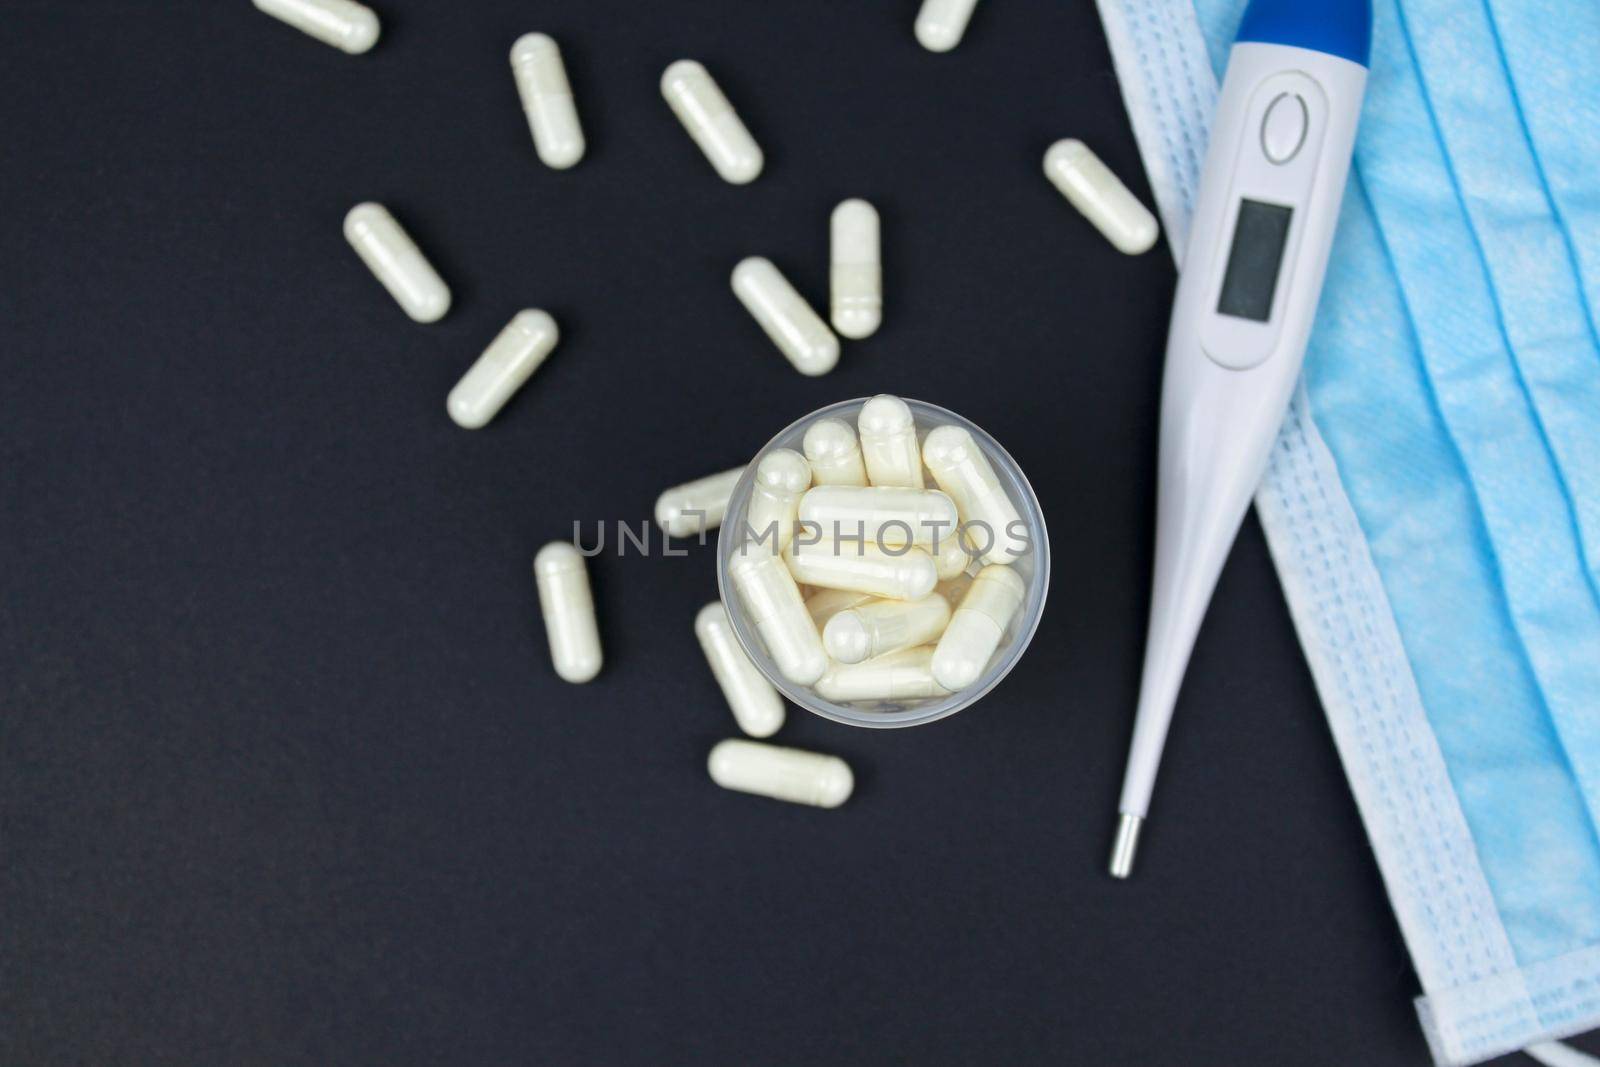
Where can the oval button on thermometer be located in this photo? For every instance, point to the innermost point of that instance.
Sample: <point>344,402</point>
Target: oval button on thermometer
<point>1284,130</point>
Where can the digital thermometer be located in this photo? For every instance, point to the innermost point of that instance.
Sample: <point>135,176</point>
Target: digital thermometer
<point>1270,190</point>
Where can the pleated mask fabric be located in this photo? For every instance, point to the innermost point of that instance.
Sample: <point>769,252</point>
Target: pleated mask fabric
<point>1433,504</point>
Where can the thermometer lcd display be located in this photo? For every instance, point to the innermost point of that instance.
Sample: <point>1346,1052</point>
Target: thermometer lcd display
<point>1254,262</point>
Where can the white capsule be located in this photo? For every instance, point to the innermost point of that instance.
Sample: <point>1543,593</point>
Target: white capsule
<point>950,556</point>
<point>348,26</point>
<point>977,626</point>
<point>989,521</point>
<point>882,626</point>
<point>1100,196</point>
<point>772,600</point>
<point>699,104</point>
<point>756,705</point>
<point>884,515</point>
<point>941,23</point>
<point>889,442</point>
<point>504,367</point>
<point>788,320</point>
<point>824,604</point>
<point>697,506</point>
<point>391,255</point>
<point>782,477</point>
<point>568,609</point>
<point>547,100</point>
<point>900,574</point>
<point>834,453</point>
<point>903,675</point>
<point>856,272</point>
<point>781,773</point>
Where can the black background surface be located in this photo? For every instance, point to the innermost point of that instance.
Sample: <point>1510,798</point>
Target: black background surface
<point>285,774</point>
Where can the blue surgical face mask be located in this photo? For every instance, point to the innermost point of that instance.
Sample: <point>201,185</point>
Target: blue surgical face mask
<point>1433,505</point>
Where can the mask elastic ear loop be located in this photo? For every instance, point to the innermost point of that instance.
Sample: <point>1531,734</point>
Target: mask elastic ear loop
<point>1556,1054</point>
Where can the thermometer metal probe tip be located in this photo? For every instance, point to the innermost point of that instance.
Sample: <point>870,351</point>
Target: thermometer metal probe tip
<point>1126,844</point>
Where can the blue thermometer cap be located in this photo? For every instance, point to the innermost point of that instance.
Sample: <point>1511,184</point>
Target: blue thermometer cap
<point>1340,28</point>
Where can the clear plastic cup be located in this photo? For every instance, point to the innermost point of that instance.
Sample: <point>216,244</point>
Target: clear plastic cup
<point>1033,568</point>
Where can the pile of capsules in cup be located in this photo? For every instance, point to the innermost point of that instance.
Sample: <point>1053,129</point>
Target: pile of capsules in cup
<point>914,629</point>
<point>893,614</point>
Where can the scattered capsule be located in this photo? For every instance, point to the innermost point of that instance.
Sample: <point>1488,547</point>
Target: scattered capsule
<point>941,23</point>
<point>711,121</point>
<point>990,522</point>
<point>781,773</point>
<point>834,453</point>
<point>824,604</point>
<point>904,574</point>
<point>568,609</point>
<point>756,705</point>
<point>879,627</point>
<point>504,367</point>
<point>547,100</point>
<point>903,675</point>
<point>391,255</point>
<point>1100,195</point>
<point>348,26</point>
<point>889,442</point>
<point>788,320</point>
<point>772,600</point>
<point>782,477</point>
<point>883,515</point>
<point>856,272</point>
<point>977,626</point>
<point>697,506</point>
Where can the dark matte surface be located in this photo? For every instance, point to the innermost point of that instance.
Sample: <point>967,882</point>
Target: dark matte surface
<point>285,775</point>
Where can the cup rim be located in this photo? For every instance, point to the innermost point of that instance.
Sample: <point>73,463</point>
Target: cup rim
<point>1007,467</point>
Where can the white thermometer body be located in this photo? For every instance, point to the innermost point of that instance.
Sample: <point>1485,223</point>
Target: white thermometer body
<point>1269,200</point>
